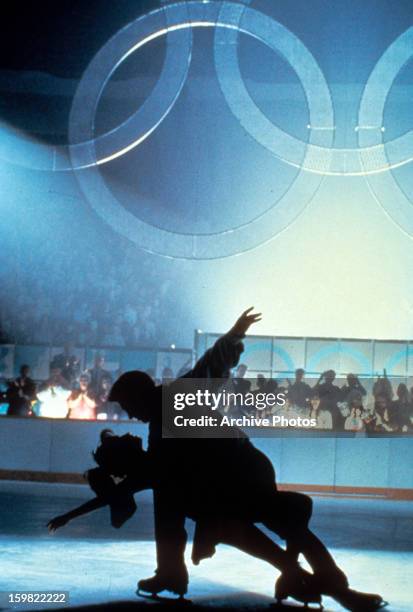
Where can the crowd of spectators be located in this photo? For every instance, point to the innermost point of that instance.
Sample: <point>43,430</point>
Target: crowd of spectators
<point>386,407</point>
<point>94,301</point>
<point>70,392</point>
<point>380,406</point>
<point>67,393</point>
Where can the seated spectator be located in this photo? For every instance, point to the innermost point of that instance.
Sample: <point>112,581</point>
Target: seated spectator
<point>382,414</point>
<point>329,393</point>
<point>53,394</point>
<point>260,387</point>
<point>299,391</point>
<point>68,364</point>
<point>401,409</point>
<point>354,422</point>
<point>239,383</point>
<point>352,389</point>
<point>289,410</point>
<point>383,387</point>
<point>108,410</point>
<point>102,404</point>
<point>55,379</point>
<point>97,374</point>
<point>81,404</point>
<point>260,383</point>
<point>355,402</point>
<point>21,393</point>
<point>319,411</point>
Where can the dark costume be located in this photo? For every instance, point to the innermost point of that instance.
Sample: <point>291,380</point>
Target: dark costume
<point>178,462</point>
<point>331,395</point>
<point>299,393</point>
<point>222,478</point>
<point>19,395</point>
<point>228,520</point>
<point>68,365</point>
<point>226,484</point>
<point>355,390</point>
<point>215,513</point>
<point>96,375</point>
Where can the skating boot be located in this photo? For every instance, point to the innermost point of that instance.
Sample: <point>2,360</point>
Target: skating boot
<point>359,602</point>
<point>298,584</point>
<point>151,587</point>
<point>335,584</point>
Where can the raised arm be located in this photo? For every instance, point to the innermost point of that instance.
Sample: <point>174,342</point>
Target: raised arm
<point>320,378</point>
<point>224,355</point>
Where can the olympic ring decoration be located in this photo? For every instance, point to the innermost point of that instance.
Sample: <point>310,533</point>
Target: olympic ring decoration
<point>372,159</point>
<point>199,246</point>
<point>384,186</point>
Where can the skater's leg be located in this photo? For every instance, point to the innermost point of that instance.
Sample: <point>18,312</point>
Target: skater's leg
<point>329,579</point>
<point>170,535</point>
<point>293,550</point>
<point>317,555</point>
<point>251,540</point>
<point>294,581</point>
<point>288,514</point>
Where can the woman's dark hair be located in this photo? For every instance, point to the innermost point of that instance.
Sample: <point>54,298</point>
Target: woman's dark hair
<point>106,433</point>
<point>115,454</point>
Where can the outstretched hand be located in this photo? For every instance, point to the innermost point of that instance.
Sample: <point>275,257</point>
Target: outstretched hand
<point>55,523</point>
<point>244,322</point>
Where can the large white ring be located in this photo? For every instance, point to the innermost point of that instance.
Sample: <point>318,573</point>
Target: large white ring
<point>261,229</point>
<point>90,150</point>
<point>384,186</point>
<point>316,156</point>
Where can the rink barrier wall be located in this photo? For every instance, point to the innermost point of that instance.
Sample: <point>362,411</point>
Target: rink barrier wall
<point>53,450</point>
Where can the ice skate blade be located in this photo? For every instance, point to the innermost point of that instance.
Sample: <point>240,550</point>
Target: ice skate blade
<point>283,604</point>
<point>180,599</point>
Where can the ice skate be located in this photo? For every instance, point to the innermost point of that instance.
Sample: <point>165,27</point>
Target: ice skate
<point>299,585</point>
<point>151,588</point>
<point>357,601</point>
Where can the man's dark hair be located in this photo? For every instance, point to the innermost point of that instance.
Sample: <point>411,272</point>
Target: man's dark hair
<point>129,385</point>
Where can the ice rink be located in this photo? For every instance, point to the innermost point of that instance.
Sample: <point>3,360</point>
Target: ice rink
<point>98,564</point>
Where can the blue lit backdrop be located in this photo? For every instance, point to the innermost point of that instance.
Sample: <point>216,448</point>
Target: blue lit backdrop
<point>260,156</point>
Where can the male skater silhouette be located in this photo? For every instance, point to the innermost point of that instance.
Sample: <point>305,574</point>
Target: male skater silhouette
<point>140,398</point>
<point>177,463</point>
